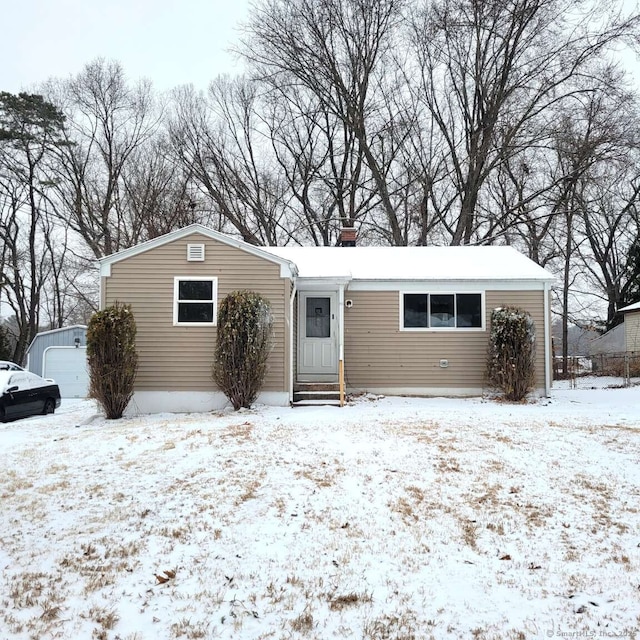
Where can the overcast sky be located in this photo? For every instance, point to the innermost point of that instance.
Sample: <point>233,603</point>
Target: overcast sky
<point>171,42</point>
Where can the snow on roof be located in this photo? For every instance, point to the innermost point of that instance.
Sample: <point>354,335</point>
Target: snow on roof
<point>632,307</point>
<point>413,263</point>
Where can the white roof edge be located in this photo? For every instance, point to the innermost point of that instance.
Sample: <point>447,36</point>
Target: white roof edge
<point>631,307</point>
<point>288,268</point>
<point>48,331</point>
<point>458,286</point>
<point>441,279</point>
<point>343,279</point>
<point>71,326</point>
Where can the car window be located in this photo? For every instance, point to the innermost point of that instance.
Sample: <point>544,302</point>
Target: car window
<point>34,380</point>
<point>18,380</point>
<point>9,366</point>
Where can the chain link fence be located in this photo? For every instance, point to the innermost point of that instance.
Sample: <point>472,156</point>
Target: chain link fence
<point>623,365</point>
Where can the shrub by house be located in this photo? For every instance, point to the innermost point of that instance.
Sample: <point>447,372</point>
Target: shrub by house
<point>511,362</point>
<point>112,358</point>
<point>243,344</point>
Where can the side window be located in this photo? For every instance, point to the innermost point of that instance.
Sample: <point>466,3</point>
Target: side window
<point>469,310</point>
<point>32,380</point>
<point>441,311</point>
<point>18,380</point>
<point>195,301</point>
<point>415,311</point>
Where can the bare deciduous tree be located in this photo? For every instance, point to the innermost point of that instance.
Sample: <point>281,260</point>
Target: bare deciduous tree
<point>489,73</point>
<point>341,53</point>
<point>108,122</point>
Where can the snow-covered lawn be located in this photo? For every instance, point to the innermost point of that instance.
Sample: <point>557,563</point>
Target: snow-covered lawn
<point>390,518</point>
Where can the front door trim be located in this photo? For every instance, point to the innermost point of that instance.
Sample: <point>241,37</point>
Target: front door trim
<point>317,357</point>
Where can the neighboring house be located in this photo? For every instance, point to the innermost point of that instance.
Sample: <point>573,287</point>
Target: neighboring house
<point>610,342</point>
<point>394,320</point>
<point>606,350</point>
<point>631,326</point>
<point>61,354</point>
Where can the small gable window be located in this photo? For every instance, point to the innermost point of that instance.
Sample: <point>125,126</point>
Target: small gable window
<point>195,300</point>
<point>441,311</point>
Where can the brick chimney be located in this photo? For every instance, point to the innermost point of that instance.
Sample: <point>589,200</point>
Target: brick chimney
<point>347,237</point>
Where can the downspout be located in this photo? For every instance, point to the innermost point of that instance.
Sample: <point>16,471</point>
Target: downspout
<point>547,340</point>
<point>341,342</point>
<point>292,320</point>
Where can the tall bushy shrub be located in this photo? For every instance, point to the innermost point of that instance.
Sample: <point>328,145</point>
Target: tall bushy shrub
<point>511,366</point>
<point>112,358</point>
<point>243,344</point>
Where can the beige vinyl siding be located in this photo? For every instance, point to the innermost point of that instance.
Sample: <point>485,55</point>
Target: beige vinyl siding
<point>632,330</point>
<point>179,358</point>
<point>379,355</point>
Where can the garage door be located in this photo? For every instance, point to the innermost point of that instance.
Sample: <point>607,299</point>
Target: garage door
<point>68,367</point>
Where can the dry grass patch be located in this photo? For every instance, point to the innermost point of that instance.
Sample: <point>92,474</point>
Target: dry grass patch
<point>39,598</point>
<point>324,475</point>
<point>185,628</point>
<point>338,603</point>
<point>397,626</point>
<point>12,483</point>
<point>100,563</point>
<point>448,465</point>
<point>249,489</point>
<point>412,506</point>
<point>303,622</point>
<point>469,530</point>
<point>241,432</point>
<point>106,617</point>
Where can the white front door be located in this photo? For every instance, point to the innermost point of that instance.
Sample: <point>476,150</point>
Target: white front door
<point>317,335</point>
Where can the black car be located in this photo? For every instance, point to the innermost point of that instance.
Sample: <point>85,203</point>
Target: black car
<point>23,394</point>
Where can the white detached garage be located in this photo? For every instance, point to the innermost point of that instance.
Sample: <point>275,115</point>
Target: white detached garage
<point>61,354</point>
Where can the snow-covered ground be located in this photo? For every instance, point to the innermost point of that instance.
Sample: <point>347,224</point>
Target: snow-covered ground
<point>392,518</point>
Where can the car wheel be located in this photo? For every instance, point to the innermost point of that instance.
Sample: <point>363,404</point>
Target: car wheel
<point>2,414</point>
<point>49,406</point>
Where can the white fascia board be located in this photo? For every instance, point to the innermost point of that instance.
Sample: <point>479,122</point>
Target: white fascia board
<point>323,284</point>
<point>287,268</point>
<point>71,326</point>
<point>459,286</point>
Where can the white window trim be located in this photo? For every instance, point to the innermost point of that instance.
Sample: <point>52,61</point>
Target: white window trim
<point>483,314</point>
<point>214,293</point>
